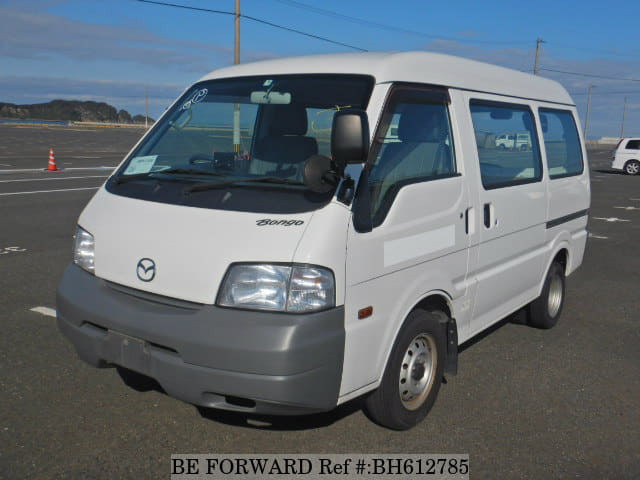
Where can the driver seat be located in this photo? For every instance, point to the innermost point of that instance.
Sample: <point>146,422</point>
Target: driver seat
<point>284,150</point>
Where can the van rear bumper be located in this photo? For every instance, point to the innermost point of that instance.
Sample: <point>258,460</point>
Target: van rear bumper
<point>262,362</point>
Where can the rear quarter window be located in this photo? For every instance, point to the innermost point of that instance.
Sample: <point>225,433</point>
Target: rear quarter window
<point>561,143</point>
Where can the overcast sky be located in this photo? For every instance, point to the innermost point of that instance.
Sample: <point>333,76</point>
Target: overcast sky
<point>110,50</point>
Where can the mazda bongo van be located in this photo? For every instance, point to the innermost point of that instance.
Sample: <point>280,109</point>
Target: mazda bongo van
<point>295,233</point>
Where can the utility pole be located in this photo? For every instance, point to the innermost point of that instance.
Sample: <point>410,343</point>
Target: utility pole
<point>146,108</point>
<point>236,47</point>
<point>624,114</point>
<point>535,65</point>
<point>236,61</point>
<point>586,119</point>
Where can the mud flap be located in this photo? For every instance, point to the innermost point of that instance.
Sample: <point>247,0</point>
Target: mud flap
<point>451,364</point>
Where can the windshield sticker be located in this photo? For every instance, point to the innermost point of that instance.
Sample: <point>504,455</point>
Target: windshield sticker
<point>197,98</point>
<point>199,95</point>
<point>140,165</point>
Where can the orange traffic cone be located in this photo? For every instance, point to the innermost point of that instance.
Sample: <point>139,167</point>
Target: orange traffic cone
<point>52,162</point>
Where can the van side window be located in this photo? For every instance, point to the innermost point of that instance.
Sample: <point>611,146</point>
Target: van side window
<point>561,143</point>
<point>507,144</point>
<point>633,145</point>
<point>413,144</point>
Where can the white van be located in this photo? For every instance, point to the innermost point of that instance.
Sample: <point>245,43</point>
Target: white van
<point>626,156</point>
<point>249,262</point>
<point>519,141</point>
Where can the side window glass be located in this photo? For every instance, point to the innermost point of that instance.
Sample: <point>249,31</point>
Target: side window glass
<point>633,145</point>
<point>413,145</point>
<point>507,144</point>
<point>561,143</point>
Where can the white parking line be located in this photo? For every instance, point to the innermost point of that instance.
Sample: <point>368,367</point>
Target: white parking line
<point>48,179</point>
<point>628,208</point>
<point>611,219</point>
<point>49,191</point>
<point>27,170</point>
<point>591,235</point>
<point>49,312</point>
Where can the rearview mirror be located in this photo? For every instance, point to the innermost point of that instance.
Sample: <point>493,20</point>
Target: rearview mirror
<point>349,137</point>
<point>274,98</point>
<point>501,114</point>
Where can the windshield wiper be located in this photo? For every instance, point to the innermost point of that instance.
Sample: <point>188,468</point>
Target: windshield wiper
<point>189,171</point>
<point>200,187</point>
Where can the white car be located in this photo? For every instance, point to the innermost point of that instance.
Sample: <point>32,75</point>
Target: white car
<point>247,263</point>
<point>626,156</point>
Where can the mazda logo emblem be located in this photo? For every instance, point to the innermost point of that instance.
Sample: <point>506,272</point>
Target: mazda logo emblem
<point>146,269</point>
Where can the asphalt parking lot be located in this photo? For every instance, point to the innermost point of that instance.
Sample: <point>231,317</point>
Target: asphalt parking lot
<point>526,404</point>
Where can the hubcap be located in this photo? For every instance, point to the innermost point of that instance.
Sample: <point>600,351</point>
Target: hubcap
<point>417,371</point>
<point>633,168</point>
<point>555,296</point>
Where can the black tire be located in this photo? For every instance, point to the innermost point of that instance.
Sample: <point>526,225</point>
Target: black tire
<point>545,310</point>
<point>401,410</point>
<point>632,167</point>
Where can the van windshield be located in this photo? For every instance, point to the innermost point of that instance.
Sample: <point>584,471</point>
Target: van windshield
<point>243,135</point>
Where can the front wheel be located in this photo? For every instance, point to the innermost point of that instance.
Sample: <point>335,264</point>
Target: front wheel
<point>632,167</point>
<point>545,310</point>
<point>413,374</point>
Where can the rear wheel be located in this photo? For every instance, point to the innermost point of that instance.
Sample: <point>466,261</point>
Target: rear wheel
<point>413,374</point>
<point>632,167</point>
<point>545,310</point>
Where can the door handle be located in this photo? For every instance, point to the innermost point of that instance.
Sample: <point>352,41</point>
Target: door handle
<point>470,221</point>
<point>489,215</point>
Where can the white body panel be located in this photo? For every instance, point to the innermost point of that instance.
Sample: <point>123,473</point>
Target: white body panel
<point>432,241</point>
<point>192,247</point>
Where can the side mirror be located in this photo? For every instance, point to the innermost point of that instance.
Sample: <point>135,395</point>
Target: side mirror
<point>544,123</point>
<point>317,174</point>
<point>349,137</point>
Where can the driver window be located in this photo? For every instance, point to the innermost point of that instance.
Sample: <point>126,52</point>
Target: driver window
<point>414,146</point>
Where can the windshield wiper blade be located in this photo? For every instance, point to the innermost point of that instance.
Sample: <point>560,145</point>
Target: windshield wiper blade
<point>189,171</point>
<point>200,187</point>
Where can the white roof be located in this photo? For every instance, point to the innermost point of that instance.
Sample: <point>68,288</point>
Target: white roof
<point>418,67</point>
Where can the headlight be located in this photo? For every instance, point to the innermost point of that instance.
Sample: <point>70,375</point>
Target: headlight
<point>290,288</point>
<point>83,249</point>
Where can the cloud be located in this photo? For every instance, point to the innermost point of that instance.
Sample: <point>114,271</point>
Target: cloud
<point>29,34</point>
<point>608,96</point>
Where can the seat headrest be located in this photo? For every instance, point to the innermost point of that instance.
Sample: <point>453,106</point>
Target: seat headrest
<point>287,119</point>
<point>422,123</point>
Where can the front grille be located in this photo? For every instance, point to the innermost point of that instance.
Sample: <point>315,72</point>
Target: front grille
<point>153,297</point>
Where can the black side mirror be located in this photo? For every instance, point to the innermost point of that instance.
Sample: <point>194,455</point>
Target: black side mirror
<point>349,137</point>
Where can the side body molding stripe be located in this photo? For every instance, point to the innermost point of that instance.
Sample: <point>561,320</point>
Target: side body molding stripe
<point>567,218</point>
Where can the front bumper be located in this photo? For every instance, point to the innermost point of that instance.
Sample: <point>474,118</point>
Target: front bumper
<point>204,354</point>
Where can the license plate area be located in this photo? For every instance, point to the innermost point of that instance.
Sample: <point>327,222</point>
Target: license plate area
<point>128,352</point>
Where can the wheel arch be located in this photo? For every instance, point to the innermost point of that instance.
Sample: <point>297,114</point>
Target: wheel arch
<point>627,162</point>
<point>432,300</point>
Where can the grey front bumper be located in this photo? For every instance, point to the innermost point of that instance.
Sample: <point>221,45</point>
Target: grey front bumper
<point>203,354</point>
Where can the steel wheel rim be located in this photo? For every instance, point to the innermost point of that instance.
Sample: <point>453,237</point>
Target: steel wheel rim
<point>418,371</point>
<point>633,168</point>
<point>555,296</point>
